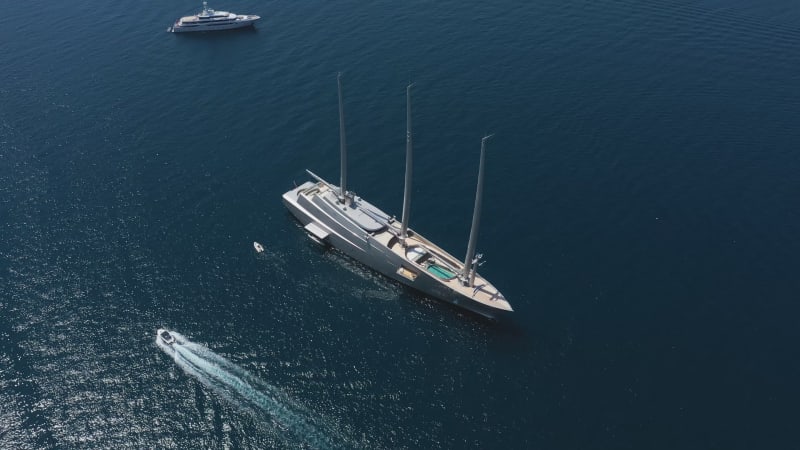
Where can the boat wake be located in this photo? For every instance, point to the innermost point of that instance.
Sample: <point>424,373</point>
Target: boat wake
<point>239,387</point>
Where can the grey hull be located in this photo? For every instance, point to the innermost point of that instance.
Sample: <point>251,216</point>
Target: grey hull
<point>370,249</point>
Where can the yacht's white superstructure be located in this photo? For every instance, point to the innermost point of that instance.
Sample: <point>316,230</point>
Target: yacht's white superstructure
<point>332,214</point>
<point>211,20</point>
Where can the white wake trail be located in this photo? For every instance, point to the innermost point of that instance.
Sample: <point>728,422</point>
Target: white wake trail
<point>241,388</point>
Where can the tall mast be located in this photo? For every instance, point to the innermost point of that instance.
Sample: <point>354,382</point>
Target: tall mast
<point>409,160</point>
<point>469,261</point>
<point>342,145</point>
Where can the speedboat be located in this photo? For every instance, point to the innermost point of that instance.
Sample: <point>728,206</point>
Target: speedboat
<point>165,337</point>
<point>211,20</point>
<point>259,248</point>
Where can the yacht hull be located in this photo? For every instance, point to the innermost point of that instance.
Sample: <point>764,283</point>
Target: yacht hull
<point>243,23</point>
<point>372,250</point>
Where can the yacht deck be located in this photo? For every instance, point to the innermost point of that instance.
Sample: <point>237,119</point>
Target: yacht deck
<point>483,291</point>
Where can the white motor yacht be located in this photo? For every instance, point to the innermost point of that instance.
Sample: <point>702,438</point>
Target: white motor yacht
<point>211,20</point>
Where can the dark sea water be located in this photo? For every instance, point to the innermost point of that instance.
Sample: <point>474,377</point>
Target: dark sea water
<point>641,216</point>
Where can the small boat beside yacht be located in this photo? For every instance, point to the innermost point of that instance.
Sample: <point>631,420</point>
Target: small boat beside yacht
<point>333,215</point>
<point>211,20</point>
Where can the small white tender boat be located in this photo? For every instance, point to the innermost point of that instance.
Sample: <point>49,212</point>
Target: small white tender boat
<point>259,248</point>
<point>165,337</point>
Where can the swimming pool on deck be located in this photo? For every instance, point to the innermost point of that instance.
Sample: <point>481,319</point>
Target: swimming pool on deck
<point>440,272</point>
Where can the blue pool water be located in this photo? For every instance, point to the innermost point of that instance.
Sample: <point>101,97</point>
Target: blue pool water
<point>440,272</point>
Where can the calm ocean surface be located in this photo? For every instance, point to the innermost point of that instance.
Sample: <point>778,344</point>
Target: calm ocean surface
<point>641,216</point>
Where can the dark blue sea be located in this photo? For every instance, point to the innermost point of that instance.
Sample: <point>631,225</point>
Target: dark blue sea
<point>640,214</point>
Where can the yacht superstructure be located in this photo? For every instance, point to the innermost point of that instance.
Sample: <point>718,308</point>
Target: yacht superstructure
<point>332,214</point>
<point>211,20</point>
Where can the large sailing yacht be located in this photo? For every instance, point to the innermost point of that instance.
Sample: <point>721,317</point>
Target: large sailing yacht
<point>331,214</point>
